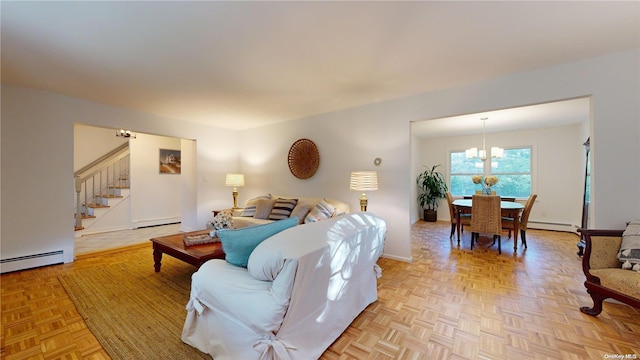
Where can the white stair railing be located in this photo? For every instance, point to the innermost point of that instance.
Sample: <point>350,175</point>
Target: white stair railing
<point>104,180</point>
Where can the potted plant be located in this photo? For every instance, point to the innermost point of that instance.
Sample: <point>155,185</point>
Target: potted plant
<point>432,187</point>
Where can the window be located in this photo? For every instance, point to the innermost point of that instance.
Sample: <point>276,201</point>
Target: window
<point>513,171</point>
<point>462,169</point>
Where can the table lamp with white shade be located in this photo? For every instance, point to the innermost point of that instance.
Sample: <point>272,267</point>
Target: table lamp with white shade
<point>234,180</point>
<point>364,181</point>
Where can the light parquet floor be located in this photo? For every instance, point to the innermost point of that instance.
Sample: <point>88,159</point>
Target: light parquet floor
<point>455,303</point>
<point>449,303</point>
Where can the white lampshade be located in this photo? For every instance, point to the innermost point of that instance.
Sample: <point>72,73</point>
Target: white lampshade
<point>497,152</point>
<point>364,180</point>
<point>471,153</point>
<point>234,180</point>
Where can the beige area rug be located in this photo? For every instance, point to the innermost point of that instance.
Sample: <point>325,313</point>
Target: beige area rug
<point>134,312</point>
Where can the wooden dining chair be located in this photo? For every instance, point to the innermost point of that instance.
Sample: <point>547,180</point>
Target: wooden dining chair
<point>509,213</point>
<point>465,218</point>
<point>508,223</point>
<point>486,218</point>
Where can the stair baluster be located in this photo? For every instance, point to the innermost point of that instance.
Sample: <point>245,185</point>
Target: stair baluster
<point>108,172</point>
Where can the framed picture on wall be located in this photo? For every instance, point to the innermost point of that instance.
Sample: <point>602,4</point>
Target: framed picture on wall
<point>169,161</point>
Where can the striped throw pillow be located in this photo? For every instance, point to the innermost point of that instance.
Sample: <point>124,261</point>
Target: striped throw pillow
<point>282,209</point>
<point>322,211</point>
<point>629,253</point>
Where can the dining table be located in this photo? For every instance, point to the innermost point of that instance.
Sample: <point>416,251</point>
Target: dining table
<point>511,209</point>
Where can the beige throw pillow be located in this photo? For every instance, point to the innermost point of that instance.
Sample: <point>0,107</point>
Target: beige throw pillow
<point>301,211</point>
<point>250,206</point>
<point>263,208</point>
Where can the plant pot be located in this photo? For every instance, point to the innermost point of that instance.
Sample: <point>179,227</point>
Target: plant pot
<point>430,215</point>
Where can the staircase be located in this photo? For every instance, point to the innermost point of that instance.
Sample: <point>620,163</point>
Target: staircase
<point>102,194</point>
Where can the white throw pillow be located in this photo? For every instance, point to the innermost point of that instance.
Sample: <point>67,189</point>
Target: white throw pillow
<point>341,207</point>
<point>322,211</point>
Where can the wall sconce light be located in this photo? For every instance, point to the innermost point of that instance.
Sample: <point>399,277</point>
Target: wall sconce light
<point>125,134</point>
<point>234,180</point>
<point>364,181</point>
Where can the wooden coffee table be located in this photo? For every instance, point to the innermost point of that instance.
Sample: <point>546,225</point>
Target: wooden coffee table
<point>195,255</point>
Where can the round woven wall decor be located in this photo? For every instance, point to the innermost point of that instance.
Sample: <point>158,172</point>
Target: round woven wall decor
<point>303,158</point>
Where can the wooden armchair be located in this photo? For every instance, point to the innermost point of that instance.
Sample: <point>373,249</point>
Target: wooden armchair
<point>605,276</point>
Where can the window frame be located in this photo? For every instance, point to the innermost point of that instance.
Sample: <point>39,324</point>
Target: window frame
<point>486,169</point>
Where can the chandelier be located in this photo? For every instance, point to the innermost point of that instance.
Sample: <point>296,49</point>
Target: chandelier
<point>496,152</point>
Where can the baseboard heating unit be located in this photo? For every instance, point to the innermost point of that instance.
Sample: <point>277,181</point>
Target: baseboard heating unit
<point>543,225</point>
<point>31,261</point>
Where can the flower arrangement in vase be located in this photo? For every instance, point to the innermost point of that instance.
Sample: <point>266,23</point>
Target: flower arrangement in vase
<point>222,220</point>
<point>488,182</point>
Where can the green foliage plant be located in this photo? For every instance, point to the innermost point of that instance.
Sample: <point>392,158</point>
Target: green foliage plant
<point>432,187</point>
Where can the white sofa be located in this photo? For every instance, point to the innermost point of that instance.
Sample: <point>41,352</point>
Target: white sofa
<point>250,216</point>
<point>302,288</point>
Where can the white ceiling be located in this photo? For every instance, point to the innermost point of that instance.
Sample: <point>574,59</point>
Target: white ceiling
<point>246,64</point>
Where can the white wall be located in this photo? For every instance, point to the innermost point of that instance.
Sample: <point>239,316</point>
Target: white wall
<point>208,154</point>
<point>352,138</point>
<point>35,176</point>
<point>155,197</point>
<point>189,188</point>
<point>90,143</point>
<point>38,161</point>
<point>348,140</point>
<point>611,80</point>
<point>557,166</point>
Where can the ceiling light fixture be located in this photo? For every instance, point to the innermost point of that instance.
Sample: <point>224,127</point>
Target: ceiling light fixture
<point>125,134</point>
<point>496,152</point>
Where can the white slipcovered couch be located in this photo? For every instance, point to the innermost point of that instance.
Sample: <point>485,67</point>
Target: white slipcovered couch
<point>268,208</point>
<point>302,288</point>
